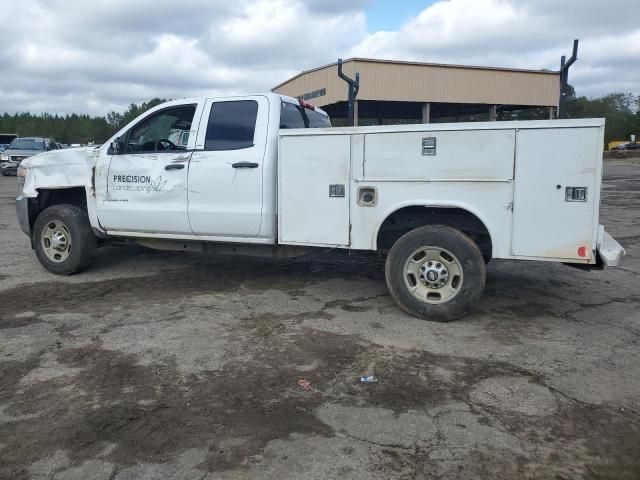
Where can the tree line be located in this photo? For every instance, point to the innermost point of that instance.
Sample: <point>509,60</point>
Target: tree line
<point>73,128</point>
<point>621,110</point>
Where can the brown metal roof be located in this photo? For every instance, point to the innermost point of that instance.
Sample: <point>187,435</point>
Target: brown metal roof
<point>427,82</point>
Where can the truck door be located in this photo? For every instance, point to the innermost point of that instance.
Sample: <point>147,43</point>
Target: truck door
<point>146,188</point>
<point>314,173</point>
<point>557,192</point>
<point>225,174</point>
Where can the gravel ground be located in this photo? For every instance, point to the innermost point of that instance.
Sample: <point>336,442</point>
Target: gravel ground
<point>155,365</point>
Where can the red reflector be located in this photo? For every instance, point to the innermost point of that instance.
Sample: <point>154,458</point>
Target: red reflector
<point>582,251</point>
<point>306,105</point>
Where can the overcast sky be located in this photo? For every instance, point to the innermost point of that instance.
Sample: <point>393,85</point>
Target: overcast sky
<point>92,56</point>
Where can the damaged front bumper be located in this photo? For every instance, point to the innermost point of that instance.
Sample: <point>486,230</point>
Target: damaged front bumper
<point>22,212</point>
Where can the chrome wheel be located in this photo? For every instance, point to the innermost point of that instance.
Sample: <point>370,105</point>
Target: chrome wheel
<point>56,241</point>
<point>433,275</point>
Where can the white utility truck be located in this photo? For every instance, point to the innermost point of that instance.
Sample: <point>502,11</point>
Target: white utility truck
<point>265,175</point>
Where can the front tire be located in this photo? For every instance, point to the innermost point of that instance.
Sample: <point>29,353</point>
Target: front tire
<point>63,239</point>
<point>435,273</point>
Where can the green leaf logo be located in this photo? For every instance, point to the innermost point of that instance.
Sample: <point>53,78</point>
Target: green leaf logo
<point>157,184</point>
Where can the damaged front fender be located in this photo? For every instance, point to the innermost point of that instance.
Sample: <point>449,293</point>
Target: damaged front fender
<point>59,170</point>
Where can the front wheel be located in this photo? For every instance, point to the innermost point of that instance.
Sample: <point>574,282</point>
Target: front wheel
<point>435,273</point>
<point>63,239</point>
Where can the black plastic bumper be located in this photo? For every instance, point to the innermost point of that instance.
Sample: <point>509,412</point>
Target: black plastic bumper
<point>22,212</point>
<point>9,169</point>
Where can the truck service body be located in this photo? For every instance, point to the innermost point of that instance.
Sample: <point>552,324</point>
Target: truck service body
<point>440,199</point>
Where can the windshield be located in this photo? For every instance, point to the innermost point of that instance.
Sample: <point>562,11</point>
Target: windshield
<point>27,144</point>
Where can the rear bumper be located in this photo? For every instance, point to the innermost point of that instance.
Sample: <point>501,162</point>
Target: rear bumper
<point>22,212</point>
<point>609,251</point>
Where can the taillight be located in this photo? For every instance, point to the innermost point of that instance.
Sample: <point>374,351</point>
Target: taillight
<point>306,105</point>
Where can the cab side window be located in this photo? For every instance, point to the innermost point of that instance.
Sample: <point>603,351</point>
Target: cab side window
<point>162,132</point>
<point>231,125</point>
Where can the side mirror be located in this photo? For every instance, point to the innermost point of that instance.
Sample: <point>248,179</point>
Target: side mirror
<point>115,146</point>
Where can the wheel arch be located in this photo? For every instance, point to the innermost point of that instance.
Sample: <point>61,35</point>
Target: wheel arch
<point>47,197</point>
<point>408,216</point>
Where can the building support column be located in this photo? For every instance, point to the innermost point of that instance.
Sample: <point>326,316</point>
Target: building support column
<point>355,113</point>
<point>493,113</point>
<point>550,113</point>
<point>426,112</point>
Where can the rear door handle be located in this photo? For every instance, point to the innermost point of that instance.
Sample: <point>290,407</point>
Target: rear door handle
<point>245,165</point>
<point>174,166</point>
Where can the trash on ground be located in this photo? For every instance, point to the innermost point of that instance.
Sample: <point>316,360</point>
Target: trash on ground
<point>304,383</point>
<point>368,379</point>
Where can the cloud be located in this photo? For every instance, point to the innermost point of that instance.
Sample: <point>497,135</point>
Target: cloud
<point>72,55</point>
<point>524,34</point>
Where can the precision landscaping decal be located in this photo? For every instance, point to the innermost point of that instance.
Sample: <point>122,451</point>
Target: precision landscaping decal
<point>138,183</point>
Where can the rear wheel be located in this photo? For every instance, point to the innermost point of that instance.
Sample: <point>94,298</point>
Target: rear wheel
<point>63,239</point>
<point>435,273</point>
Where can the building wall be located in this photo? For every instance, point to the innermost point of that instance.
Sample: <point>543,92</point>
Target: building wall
<point>399,81</point>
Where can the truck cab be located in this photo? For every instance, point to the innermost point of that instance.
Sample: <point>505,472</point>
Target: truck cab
<point>218,185</point>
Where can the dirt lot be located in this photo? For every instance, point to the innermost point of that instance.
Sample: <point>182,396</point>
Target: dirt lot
<point>160,365</point>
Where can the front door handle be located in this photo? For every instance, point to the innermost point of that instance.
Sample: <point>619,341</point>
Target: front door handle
<point>245,165</point>
<point>174,166</point>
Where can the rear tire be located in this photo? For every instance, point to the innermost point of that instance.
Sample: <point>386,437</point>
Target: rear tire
<point>63,239</point>
<point>435,273</point>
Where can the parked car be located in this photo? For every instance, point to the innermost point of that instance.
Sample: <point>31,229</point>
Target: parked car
<point>627,146</point>
<point>632,146</point>
<point>3,147</point>
<point>620,146</point>
<point>255,178</point>
<point>22,148</point>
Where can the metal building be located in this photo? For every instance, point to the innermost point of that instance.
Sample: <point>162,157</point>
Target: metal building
<point>409,92</point>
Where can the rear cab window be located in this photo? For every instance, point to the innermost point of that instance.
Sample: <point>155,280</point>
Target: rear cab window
<point>297,116</point>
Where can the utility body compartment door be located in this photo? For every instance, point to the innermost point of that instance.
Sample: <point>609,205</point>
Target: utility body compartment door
<point>458,155</point>
<point>557,192</point>
<point>313,190</point>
